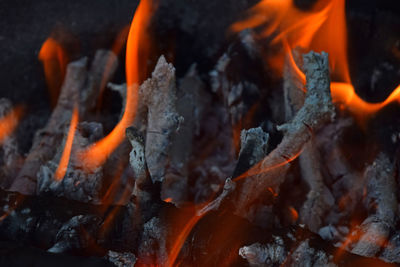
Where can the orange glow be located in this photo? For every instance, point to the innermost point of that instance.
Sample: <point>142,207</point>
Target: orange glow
<point>55,61</point>
<point>293,213</point>
<point>9,122</point>
<point>168,200</point>
<point>63,165</point>
<point>137,46</point>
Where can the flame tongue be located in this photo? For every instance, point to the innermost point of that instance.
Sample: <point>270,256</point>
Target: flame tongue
<point>62,166</point>
<point>323,28</point>
<point>137,44</point>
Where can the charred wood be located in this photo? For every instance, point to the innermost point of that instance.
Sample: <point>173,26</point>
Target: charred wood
<point>382,205</point>
<point>47,139</point>
<point>315,113</point>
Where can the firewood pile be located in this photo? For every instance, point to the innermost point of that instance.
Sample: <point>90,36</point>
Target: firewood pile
<point>266,157</point>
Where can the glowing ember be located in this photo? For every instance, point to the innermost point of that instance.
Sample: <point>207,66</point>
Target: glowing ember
<point>54,60</point>
<point>63,165</point>
<point>137,45</point>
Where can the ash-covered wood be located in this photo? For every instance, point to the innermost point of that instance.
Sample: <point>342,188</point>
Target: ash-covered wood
<point>319,198</point>
<point>159,94</point>
<point>47,140</point>
<point>316,112</point>
<point>381,201</point>
<point>80,88</point>
<point>10,159</point>
<point>77,184</point>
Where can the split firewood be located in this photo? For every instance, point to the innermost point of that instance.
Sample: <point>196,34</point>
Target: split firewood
<point>319,198</point>
<point>47,139</point>
<point>9,155</point>
<point>315,113</point>
<point>382,203</point>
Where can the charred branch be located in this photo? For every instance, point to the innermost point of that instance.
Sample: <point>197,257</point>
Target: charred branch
<point>316,112</point>
<point>382,205</point>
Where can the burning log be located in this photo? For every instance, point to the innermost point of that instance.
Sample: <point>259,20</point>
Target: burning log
<point>78,82</point>
<point>47,139</point>
<point>74,183</point>
<point>319,198</point>
<point>9,155</point>
<point>316,111</point>
<point>382,205</point>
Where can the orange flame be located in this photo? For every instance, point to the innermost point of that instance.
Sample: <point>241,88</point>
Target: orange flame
<point>9,122</point>
<point>54,60</point>
<point>293,213</point>
<point>180,239</point>
<point>323,28</point>
<point>258,169</point>
<point>98,153</point>
<point>63,165</point>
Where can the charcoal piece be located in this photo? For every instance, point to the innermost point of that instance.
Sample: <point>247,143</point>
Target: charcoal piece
<point>260,255</point>
<point>121,259</point>
<point>9,156</point>
<point>315,113</point>
<point>77,184</point>
<point>308,256</point>
<point>47,139</point>
<point>137,162</point>
<point>391,252</point>
<point>382,204</point>
<point>152,248</point>
<point>159,95</point>
<point>76,234</point>
<point>254,145</point>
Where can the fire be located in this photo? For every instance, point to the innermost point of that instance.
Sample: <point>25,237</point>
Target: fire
<point>54,60</point>
<point>9,122</point>
<point>258,168</point>
<point>63,165</point>
<point>323,28</point>
<point>137,46</point>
